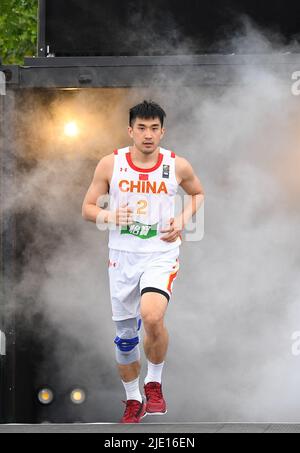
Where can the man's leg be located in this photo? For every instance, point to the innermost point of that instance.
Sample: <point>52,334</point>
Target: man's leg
<point>156,340</point>
<point>127,348</point>
<point>130,372</point>
<point>128,360</point>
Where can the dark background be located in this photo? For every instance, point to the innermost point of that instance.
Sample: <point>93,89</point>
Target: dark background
<point>136,27</point>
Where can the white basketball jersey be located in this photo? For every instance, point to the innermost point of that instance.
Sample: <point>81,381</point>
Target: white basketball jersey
<point>150,193</point>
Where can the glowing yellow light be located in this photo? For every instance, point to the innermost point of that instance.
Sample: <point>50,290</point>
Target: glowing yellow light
<point>45,396</point>
<point>71,129</point>
<point>78,396</point>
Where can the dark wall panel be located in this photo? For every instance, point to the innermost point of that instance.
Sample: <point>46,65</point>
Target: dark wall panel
<point>136,27</point>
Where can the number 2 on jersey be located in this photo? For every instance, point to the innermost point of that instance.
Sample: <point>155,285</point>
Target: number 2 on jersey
<point>142,210</point>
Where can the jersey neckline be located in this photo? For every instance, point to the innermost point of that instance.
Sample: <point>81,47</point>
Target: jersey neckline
<point>144,170</point>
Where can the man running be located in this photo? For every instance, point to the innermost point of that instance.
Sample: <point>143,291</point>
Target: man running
<point>144,241</point>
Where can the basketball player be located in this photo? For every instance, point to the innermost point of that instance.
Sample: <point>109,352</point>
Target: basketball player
<point>144,241</point>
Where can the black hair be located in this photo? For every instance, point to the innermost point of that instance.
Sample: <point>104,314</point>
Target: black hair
<point>147,110</point>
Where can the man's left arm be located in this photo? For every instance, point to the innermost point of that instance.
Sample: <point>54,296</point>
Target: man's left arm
<point>193,187</point>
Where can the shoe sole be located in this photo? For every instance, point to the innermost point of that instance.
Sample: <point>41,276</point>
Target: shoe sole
<point>156,413</point>
<point>133,423</point>
<point>145,415</point>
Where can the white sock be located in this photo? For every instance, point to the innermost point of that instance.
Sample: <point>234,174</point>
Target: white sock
<point>133,390</point>
<point>154,372</point>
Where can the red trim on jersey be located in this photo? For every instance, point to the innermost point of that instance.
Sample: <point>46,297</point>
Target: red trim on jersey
<point>173,154</point>
<point>116,152</point>
<point>144,170</point>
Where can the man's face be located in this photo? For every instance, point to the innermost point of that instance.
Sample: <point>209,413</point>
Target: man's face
<point>146,134</point>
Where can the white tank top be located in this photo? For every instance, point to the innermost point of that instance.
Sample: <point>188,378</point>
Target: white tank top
<point>151,195</point>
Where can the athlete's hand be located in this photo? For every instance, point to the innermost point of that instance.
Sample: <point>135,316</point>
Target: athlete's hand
<point>174,231</point>
<point>123,216</point>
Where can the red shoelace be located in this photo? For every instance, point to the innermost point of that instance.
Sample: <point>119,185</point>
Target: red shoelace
<point>153,391</point>
<point>132,409</point>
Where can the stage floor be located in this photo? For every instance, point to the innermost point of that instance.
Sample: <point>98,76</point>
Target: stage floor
<point>154,428</point>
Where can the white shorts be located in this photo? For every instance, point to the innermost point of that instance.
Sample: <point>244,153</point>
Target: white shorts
<point>133,274</point>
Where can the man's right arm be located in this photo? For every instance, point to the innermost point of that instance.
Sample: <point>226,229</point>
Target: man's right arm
<point>99,187</point>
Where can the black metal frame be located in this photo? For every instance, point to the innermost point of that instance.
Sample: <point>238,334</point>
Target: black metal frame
<point>41,44</point>
<point>118,72</point>
<point>2,295</point>
<point>7,262</point>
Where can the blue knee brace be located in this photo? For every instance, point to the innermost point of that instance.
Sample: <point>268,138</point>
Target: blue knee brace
<point>127,341</point>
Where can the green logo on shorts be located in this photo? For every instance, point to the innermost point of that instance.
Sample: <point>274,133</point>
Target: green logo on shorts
<point>140,230</point>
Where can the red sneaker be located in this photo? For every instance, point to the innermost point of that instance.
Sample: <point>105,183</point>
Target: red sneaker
<point>134,411</point>
<point>156,404</point>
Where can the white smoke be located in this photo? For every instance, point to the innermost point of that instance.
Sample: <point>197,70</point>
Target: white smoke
<point>236,298</point>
